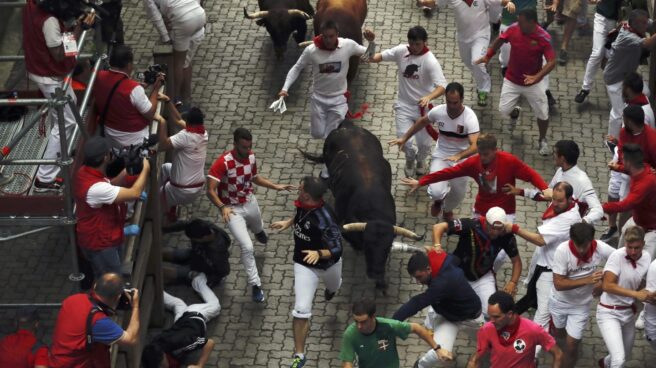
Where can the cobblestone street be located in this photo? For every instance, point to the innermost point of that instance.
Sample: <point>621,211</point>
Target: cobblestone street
<point>236,78</point>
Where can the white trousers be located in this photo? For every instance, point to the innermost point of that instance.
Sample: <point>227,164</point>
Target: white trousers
<point>618,331</point>
<point>48,173</point>
<point>247,216</point>
<point>617,108</point>
<point>187,32</point>
<point>484,288</point>
<point>173,195</point>
<point>543,287</point>
<point>602,26</point>
<point>451,192</point>
<point>534,95</point>
<point>306,281</point>
<point>445,333</point>
<point>472,51</point>
<point>209,309</point>
<point>650,324</point>
<point>618,183</point>
<point>406,115</point>
<point>504,50</point>
<point>326,113</point>
<point>650,238</point>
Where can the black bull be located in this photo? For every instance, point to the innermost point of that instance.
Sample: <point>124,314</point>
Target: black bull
<point>361,182</point>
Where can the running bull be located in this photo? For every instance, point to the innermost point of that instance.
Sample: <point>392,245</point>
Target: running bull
<point>281,18</point>
<point>361,182</point>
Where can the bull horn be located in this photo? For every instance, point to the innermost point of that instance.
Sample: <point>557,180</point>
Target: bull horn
<point>398,230</point>
<point>305,44</point>
<point>356,226</point>
<point>300,13</point>
<point>256,15</point>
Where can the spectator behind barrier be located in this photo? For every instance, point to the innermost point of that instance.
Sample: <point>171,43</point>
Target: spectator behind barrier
<point>23,349</point>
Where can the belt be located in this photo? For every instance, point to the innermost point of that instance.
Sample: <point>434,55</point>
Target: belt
<point>619,307</point>
<point>189,186</point>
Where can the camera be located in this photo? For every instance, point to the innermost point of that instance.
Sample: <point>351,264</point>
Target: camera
<point>131,157</point>
<point>124,303</point>
<point>150,75</point>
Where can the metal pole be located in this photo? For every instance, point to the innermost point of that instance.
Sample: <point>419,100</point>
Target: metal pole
<point>26,128</point>
<point>61,100</point>
<point>92,80</point>
<point>16,236</point>
<point>22,101</point>
<point>12,4</point>
<point>80,44</point>
<point>9,58</point>
<point>4,180</point>
<point>38,161</point>
<point>31,305</point>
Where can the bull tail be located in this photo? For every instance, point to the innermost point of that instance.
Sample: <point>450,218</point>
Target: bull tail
<point>313,157</point>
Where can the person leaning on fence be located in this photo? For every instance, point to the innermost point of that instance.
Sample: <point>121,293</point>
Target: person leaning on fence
<point>101,207</point>
<point>22,349</point>
<point>84,330</point>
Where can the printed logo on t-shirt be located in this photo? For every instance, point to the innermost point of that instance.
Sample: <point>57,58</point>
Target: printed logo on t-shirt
<point>457,225</point>
<point>519,346</point>
<point>505,335</point>
<point>461,129</point>
<point>383,344</point>
<point>411,71</point>
<point>331,67</point>
<point>489,185</point>
<point>307,225</point>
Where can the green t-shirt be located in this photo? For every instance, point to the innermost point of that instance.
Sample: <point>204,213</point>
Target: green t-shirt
<point>377,350</point>
<point>508,19</point>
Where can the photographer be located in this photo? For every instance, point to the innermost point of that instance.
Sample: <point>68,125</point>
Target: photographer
<point>124,110</point>
<point>182,179</point>
<point>47,63</point>
<point>101,207</point>
<point>84,330</point>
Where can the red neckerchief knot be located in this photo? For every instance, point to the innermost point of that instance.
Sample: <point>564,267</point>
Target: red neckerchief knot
<point>507,334</point>
<point>318,42</point>
<point>198,129</point>
<point>298,204</point>
<point>640,99</point>
<point>423,51</point>
<point>583,258</point>
<point>436,261</point>
<point>469,2</point>
<point>633,262</point>
<point>550,212</point>
<point>630,29</point>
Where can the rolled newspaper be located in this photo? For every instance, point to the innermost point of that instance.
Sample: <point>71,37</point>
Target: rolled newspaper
<point>405,248</point>
<point>279,105</point>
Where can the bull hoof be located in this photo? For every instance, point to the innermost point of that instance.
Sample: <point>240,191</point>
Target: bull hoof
<point>382,286</point>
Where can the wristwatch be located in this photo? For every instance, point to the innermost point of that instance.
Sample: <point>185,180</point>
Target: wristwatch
<point>438,347</point>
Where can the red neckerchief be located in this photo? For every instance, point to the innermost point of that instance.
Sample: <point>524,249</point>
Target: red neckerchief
<point>318,42</point>
<point>551,213</point>
<point>485,246</point>
<point>585,258</point>
<point>198,129</point>
<point>633,262</point>
<point>628,28</point>
<point>173,363</point>
<point>510,331</point>
<point>300,205</point>
<point>423,51</point>
<point>468,2</point>
<point>436,261</point>
<point>640,99</point>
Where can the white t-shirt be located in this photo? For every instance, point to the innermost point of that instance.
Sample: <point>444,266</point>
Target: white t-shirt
<point>471,21</point>
<point>583,191</point>
<point>329,68</point>
<point>566,264</point>
<point>419,75</point>
<point>627,276</point>
<point>53,35</point>
<point>189,157</point>
<point>102,193</point>
<point>454,133</point>
<point>649,115</point>
<point>650,310</point>
<point>554,231</point>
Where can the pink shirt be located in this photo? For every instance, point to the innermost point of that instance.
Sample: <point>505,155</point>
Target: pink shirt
<point>526,52</point>
<point>520,353</point>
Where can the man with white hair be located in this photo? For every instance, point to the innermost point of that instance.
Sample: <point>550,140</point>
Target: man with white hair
<point>480,239</point>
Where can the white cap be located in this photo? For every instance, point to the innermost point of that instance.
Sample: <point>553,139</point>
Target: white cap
<point>496,216</point>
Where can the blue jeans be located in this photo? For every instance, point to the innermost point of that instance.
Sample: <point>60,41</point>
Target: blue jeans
<point>104,261</point>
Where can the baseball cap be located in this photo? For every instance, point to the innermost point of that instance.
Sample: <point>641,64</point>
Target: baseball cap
<point>496,216</point>
<point>95,148</point>
<point>194,116</point>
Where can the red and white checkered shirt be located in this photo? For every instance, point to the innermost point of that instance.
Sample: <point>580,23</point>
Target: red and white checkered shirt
<point>234,176</point>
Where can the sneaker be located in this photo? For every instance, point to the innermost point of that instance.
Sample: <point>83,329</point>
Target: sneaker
<point>551,101</point>
<point>581,96</point>
<point>611,146</point>
<point>42,187</point>
<point>544,150</point>
<point>327,295</point>
<point>563,57</point>
<point>324,173</point>
<point>601,363</point>
<point>544,25</point>
<point>297,362</point>
<point>436,208</point>
<point>608,234</point>
<point>482,98</point>
<point>258,294</point>
<point>421,168</point>
<point>514,114</point>
<point>409,168</point>
<point>262,237</point>
<point>640,321</point>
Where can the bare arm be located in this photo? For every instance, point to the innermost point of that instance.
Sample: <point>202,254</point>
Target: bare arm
<point>473,361</point>
<point>438,232</point>
<point>511,286</point>
<point>649,42</point>
<point>562,282</point>
<point>472,149</point>
<point>529,236</point>
<point>205,355</point>
<point>557,356</point>
<point>417,126</point>
<point>377,58</point>
<point>264,182</point>
<point>426,335</point>
<point>134,192</point>
<point>610,286</point>
<point>347,365</point>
